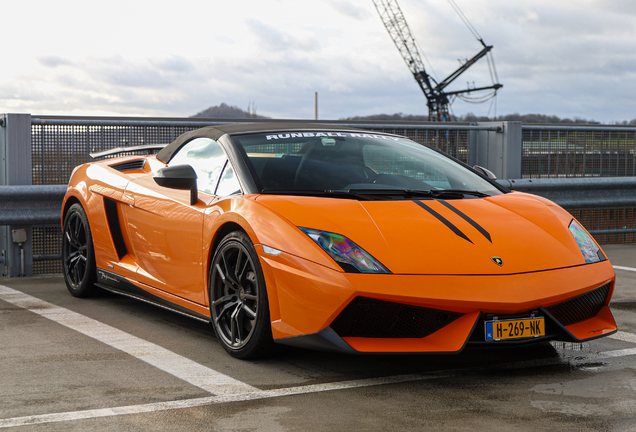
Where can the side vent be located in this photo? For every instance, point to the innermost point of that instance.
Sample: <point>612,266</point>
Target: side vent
<point>115,227</point>
<point>129,165</point>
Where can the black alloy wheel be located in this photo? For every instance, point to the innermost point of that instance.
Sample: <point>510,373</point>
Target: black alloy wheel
<point>78,256</point>
<point>238,299</point>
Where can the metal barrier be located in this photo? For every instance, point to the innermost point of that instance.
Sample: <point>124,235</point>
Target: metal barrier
<point>578,151</point>
<point>25,206</point>
<point>31,205</point>
<point>58,144</point>
<point>580,192</point>
<point>43,150</point>
<point>605,206</point>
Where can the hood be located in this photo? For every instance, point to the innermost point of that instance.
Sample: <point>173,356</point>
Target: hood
<point>466,236</point>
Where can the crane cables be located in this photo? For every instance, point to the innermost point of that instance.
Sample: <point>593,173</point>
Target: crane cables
<point>489,57</point>
<point>463,17</point>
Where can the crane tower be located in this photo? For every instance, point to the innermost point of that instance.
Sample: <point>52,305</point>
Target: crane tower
<point>438,99</point>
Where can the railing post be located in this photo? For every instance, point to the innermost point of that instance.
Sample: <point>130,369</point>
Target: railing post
<point>16,169</point>
<point>499,151</point>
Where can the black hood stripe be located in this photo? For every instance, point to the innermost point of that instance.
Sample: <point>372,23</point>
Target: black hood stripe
<point>467,219</point>
<point>443,220</point>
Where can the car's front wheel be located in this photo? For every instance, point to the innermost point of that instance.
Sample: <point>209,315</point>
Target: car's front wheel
<point>238,299</point>
<point>78,256</point>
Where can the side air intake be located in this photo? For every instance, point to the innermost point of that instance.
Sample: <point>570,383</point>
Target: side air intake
<point>115,227</point>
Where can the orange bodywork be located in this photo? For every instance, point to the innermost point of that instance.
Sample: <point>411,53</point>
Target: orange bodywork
<point>169,246</point>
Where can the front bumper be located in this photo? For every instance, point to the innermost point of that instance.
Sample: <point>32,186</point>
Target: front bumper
<point>311,300</point>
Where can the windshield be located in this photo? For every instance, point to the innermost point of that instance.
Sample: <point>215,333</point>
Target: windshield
<point>303,162</point>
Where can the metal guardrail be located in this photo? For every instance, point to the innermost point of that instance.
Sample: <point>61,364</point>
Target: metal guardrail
<point>31,205</point>
<point>39,205</point>
<point>587,192</point>
<point>584,193</point>
<point>53,121</point>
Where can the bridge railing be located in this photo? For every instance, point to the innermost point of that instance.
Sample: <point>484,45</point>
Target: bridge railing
<point>43,150</point>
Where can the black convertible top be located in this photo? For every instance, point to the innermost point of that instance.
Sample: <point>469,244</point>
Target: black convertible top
<point>216,132</point>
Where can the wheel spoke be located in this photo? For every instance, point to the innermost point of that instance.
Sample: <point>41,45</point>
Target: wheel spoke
<point>250,297</point>
<point>238,265</point>
<point>233,328</point>
<point>228,273</point>
<point>237,316</point>
<point>220,315</point>
<point>223,299</point>
<point>76,222</point>
<point>250,313</point>
<point>71,240</point>
<point>241,273</point>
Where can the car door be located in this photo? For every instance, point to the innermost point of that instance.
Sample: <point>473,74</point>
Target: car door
<point>166,230</point>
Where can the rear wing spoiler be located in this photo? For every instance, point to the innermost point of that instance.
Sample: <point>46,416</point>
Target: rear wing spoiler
<point>119,150</point>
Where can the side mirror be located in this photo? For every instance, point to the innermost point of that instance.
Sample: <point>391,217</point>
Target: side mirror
<point>485,172</point>
<point>179,177</point>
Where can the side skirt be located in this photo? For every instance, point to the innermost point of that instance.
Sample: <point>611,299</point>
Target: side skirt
<point>120,285</point>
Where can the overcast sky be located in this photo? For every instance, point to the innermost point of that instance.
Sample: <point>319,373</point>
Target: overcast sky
<point>570,58</point>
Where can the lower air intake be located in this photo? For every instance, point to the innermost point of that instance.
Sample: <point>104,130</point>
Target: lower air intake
<point>580,308</point>
<point>371,318</point>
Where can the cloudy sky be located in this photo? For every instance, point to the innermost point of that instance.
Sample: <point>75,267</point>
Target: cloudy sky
<point>570,58</point>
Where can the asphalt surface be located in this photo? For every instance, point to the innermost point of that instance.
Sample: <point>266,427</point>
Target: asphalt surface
<point>114,364</point>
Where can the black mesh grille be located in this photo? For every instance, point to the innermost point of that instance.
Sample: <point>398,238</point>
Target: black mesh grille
<point>46,243</point>
<point>115,227</point>
<point>130,165</point>
<point>365,317</point>
<point>580,308</point>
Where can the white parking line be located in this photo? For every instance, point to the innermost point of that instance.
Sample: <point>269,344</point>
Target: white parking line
<point>174,364</point>
<point>193,403</point>
<point>289,391</point>
<point>225,388</point>
<point>625,268</point>
<point>624,336</point>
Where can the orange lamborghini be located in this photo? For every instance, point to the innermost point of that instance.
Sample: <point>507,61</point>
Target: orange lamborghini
<point>332,238</point>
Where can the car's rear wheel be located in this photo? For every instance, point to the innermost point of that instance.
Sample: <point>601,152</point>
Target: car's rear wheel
<point>238,299</point>
<point>78,256</point>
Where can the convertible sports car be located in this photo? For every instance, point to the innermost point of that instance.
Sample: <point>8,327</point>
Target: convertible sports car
<point>326,237</point>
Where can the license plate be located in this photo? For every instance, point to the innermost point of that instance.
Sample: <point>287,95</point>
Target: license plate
<point>515,329</point>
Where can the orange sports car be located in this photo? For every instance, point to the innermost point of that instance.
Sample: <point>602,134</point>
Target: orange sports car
<point>332,238</point>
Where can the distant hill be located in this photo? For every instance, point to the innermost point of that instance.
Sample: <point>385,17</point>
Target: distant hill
<point>525,118</point>
<point>230,112</point>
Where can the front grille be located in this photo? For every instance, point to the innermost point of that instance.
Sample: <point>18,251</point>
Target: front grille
<point>129,165</point>
<point>580,308</point>
<point>371,318</point>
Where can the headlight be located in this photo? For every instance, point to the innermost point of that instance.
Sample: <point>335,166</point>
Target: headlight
<point>590,250</point>
<point>351,257</point>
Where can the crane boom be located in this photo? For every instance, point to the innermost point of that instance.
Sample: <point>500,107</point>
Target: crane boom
<point>437,100</point>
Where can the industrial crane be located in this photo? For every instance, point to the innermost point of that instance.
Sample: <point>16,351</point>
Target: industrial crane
<point>438,99</point>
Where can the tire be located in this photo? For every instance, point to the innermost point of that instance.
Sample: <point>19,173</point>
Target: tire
<point>238,299</point>
<point>78,255</point>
